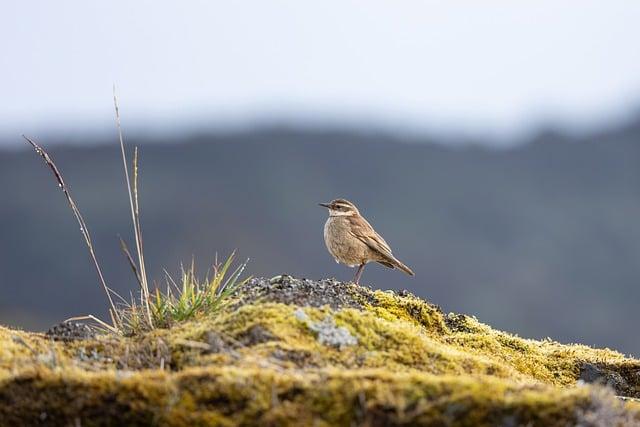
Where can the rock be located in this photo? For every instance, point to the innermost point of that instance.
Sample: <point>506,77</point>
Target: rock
<point>304,293</point>
<point>66,331</point>
<point>600,374</point>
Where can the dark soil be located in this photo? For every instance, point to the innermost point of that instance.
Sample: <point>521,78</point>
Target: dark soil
<point>302,359</point>
<point>457,322</point>
<point>216,342</point>
<point>304,293</point>
<point>257,334</point>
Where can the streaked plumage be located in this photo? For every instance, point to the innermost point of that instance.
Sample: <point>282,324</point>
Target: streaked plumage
<point>351,240</point>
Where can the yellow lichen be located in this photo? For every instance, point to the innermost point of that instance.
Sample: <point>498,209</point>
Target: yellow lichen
<point>262,363</point>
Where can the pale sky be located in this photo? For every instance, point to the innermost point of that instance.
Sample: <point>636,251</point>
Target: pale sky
<point>459,67</point>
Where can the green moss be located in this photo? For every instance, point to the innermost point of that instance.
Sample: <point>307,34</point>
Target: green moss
<point>412,309</point>
<point>237,396</point>
<point>261,364</point>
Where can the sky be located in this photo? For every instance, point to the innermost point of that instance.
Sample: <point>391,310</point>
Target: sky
<point>494,67</point>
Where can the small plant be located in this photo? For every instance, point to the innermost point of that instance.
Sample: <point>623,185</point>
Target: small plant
<point>187,298</point>
<point>151,310</point>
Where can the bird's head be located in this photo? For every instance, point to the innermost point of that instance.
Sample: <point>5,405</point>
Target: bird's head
<point>341,207</point>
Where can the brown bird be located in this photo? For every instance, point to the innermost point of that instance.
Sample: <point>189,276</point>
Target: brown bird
<point>351,240</point>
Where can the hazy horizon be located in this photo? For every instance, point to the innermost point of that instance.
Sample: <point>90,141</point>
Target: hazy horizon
<point>496,69</point>
<point>191,130</point>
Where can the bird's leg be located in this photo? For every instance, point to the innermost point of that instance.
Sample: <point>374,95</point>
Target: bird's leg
<point>358,274</point>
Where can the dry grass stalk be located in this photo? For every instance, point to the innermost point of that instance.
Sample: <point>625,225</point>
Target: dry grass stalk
<point>115,318</point>
<point>132,263</point>
<point>135,215</point>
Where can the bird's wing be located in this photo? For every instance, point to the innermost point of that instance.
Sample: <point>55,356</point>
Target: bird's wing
<point>361,229</point>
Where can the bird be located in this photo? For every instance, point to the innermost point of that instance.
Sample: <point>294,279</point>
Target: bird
<point>352,241</point>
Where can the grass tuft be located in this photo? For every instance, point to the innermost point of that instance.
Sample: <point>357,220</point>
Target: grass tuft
<point>193,298</point>
<point>188,298</point>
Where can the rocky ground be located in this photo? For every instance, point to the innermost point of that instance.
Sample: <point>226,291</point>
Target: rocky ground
<point>287,351</point>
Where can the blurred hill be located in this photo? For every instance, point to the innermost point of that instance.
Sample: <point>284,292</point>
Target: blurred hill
<point>542,239</point>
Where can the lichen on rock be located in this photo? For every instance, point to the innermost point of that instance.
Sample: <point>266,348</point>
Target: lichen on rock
<point>327,331</point>
<point>287,351</point>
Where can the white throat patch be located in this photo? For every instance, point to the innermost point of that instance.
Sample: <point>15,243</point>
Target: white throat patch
<point>339,213</point>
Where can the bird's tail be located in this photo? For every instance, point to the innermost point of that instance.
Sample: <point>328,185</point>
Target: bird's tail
<point>399,265</point>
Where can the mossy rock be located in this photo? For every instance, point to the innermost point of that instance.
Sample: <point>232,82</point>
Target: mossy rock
<point>287,351</point>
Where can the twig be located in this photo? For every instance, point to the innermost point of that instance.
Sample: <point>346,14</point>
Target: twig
<point>95,319</point>
<point>83,227</point>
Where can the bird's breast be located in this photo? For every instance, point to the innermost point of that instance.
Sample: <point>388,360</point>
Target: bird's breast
<point>342,244</point>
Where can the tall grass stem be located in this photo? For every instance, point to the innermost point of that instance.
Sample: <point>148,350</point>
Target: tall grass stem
<point>115,318</point>
<point>133,203</point>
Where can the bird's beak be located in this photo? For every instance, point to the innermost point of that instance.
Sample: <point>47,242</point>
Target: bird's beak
<point>324,205</point>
